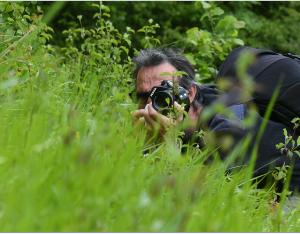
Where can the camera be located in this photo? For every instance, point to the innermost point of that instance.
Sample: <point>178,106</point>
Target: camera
<point>164,96</point>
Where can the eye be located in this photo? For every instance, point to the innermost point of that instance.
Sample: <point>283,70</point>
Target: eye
<point>140,97</point>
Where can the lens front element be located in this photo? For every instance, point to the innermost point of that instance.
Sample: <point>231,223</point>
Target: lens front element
<point>162,101</point>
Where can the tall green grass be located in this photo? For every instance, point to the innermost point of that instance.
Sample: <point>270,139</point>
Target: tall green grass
<point>68,170</point>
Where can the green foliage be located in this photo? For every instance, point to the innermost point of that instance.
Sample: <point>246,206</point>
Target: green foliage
<point>210,46</point>
<point>290,146</point>
<point>86,48</point>
<point>149,40</point>
<point>269,25</point>
<point>70,158</point>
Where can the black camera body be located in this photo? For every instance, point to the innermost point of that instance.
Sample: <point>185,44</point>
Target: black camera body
<point>164,96</point>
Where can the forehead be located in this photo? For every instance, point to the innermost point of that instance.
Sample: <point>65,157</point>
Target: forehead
<point>148,77</point>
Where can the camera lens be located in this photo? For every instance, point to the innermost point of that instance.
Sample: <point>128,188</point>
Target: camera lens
<point>162,101</point>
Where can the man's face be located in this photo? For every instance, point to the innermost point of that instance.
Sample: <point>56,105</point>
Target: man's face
<point>148,77</point>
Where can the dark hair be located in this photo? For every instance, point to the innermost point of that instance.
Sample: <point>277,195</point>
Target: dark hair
<point>153,57</point>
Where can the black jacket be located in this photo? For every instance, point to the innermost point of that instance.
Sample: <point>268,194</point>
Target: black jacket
<point>267,71</point>
<point>268,156</point>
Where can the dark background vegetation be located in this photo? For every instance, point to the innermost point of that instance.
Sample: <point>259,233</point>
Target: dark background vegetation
<point>273,25</point>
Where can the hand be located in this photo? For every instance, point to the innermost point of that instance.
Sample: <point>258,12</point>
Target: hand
<point>156,122</point>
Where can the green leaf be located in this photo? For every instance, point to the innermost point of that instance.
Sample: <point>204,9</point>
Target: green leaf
<point>226,25</point>
<point>95,5</point>
<point>166,74</point>
<point>239,24</point>
<point>106,14</point>
<point>281,175</point>
<point>9,19</point>
<point>295,120</point>
<point>238,41</point>
<point>191,58</point>
<point>279,145</point>
<point>129,29</point>
<point>206,5</point>
<point>217,11</point>
<point>105,8</point>
<point>193,35</point>
<point>127,41</point>
<point>96,15</point>
<point>49,29</point>
<point>285,132</point>
<point>27,17</point>
<point>218,47</point>
<point>179,73</point>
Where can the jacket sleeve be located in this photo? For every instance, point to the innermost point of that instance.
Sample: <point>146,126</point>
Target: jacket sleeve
<point>225,134</point>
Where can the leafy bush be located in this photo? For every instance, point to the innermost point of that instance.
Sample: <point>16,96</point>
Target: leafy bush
<point>208,48</point>
<point>269,25</point>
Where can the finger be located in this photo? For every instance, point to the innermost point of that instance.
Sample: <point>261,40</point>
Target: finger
<point>138,114</point>
<point>163,120</point>
<point>155,115</point>
<point>148,118</point>
<point>152,112</point>
<point>141,121</point>
<point>142,116</point>
<point>143,113</point>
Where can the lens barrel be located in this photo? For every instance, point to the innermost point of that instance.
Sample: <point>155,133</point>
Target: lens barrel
<point>162,101</point>
<point>164,96</point>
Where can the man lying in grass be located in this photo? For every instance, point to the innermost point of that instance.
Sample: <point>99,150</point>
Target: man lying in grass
<point>157,80</point>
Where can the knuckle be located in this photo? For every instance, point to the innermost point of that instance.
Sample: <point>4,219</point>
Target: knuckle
<point>152,114</point>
